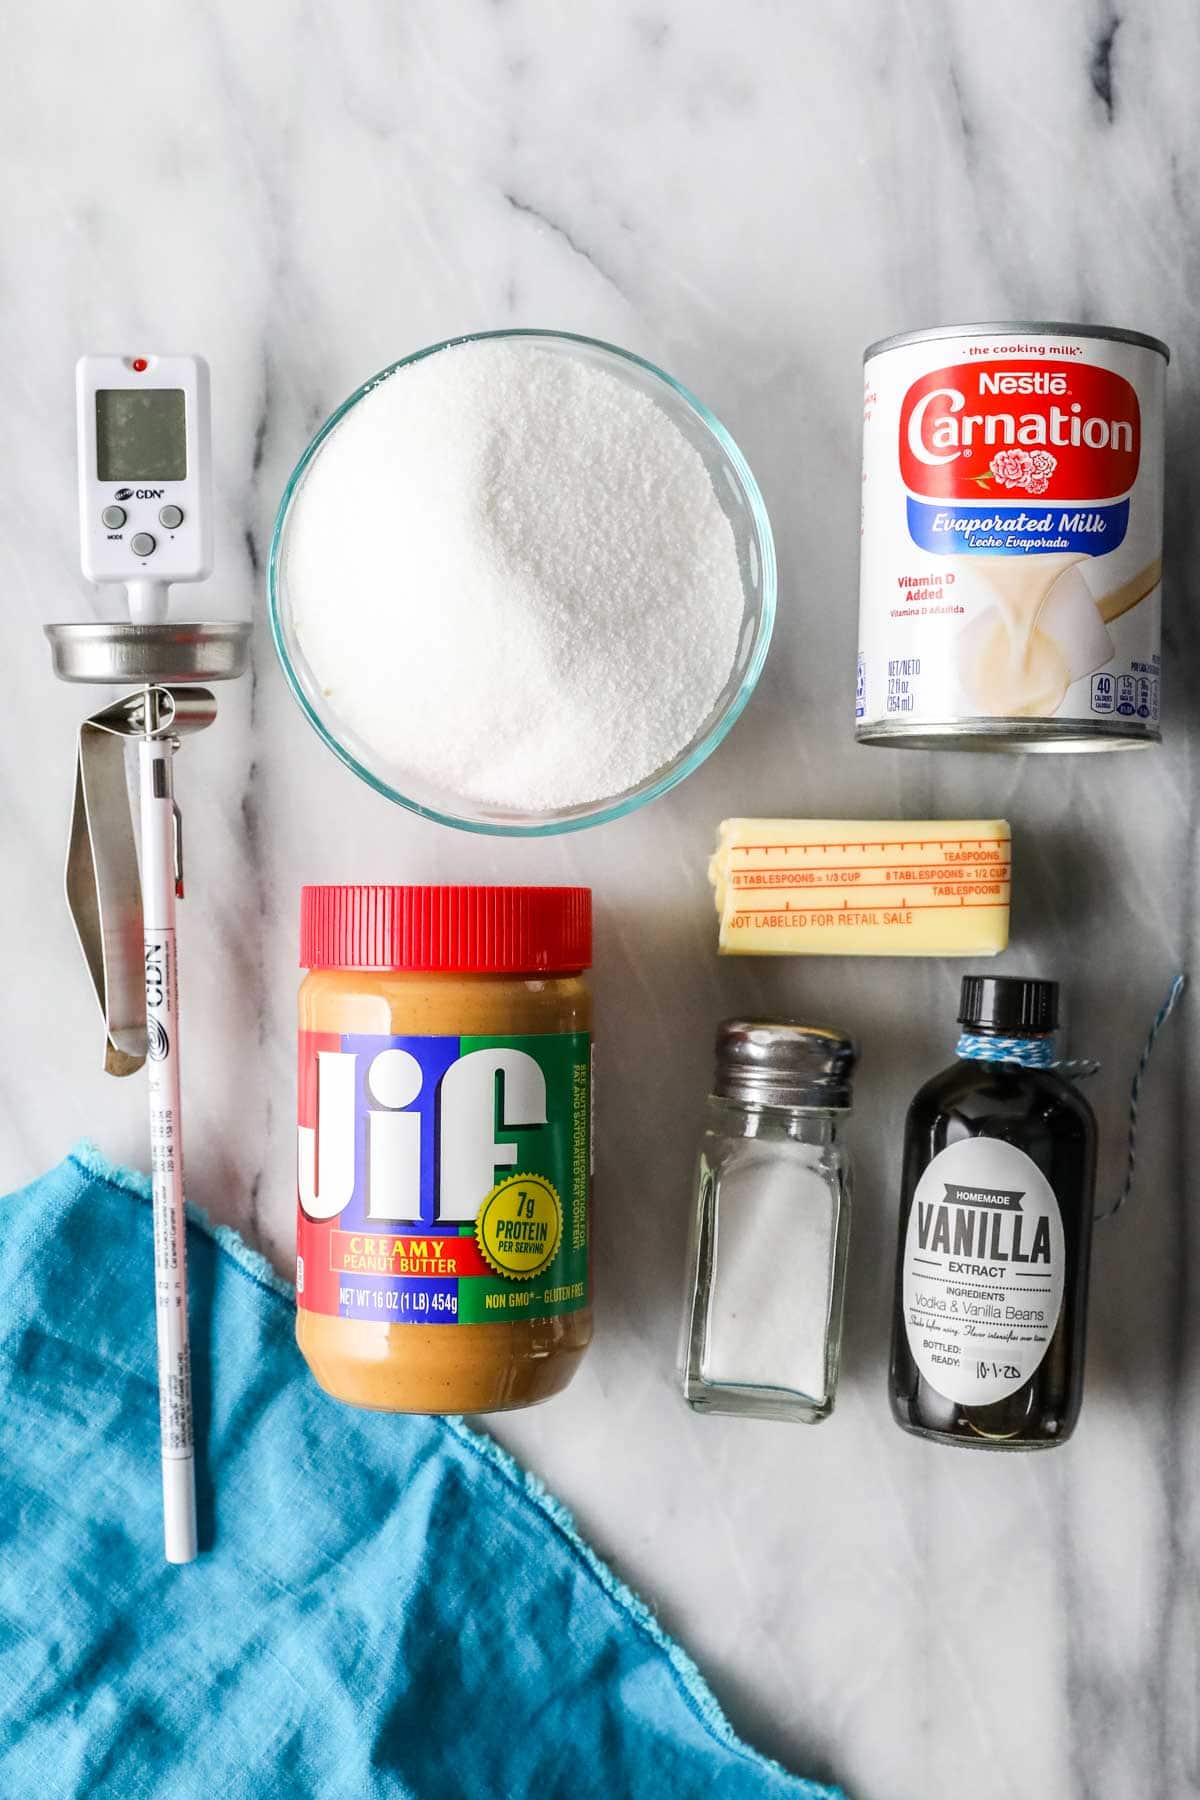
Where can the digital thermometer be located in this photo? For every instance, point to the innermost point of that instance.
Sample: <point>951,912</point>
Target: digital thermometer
<point>145,479</point>
<point>145,490</point>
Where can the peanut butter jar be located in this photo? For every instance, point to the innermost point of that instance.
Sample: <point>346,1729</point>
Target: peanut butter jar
<point>444,1144</point>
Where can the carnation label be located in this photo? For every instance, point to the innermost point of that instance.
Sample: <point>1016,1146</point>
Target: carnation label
<point>1011,536</point>
<point>984,1264</point>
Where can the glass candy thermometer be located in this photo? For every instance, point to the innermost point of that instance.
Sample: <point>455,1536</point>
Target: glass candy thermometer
<point>145,522</point>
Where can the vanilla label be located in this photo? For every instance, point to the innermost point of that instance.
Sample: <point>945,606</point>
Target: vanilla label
<point>984,1264</point>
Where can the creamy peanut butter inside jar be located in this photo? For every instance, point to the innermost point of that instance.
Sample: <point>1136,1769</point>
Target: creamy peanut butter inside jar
<point>444,1144</point>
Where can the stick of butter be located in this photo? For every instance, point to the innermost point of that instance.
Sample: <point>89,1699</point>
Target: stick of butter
<point>858,887</point>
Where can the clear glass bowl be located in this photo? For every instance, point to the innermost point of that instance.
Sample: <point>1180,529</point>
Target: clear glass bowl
<point>738,494</point>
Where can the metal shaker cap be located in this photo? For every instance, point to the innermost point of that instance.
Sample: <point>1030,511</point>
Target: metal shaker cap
<point>781,1062</point>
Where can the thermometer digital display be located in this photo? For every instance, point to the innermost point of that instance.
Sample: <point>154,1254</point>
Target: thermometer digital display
<point>144,475</point>
<point>141,436</point>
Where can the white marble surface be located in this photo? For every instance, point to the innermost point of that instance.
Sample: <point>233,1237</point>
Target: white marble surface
<point>748,195</point>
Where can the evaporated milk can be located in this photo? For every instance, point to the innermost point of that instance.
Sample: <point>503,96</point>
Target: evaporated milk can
<point>1012,539</point>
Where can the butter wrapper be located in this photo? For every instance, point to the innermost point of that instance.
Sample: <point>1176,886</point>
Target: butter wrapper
<point>863,887</point>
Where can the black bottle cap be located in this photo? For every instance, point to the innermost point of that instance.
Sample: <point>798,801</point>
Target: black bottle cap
<point>1012,1005</point>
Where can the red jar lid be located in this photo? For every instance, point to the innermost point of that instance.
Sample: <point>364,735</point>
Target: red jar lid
<point>471,930</point>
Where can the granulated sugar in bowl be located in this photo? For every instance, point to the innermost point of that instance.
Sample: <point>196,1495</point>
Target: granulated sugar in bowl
<point>522,582</point>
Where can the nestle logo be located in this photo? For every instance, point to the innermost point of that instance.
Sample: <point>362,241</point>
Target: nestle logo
<point>1033,381</point>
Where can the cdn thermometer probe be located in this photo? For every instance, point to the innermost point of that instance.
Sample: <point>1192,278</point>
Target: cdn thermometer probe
<point>145,521</point>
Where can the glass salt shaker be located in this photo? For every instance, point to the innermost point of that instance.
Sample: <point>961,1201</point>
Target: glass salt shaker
<point>767,1261</point>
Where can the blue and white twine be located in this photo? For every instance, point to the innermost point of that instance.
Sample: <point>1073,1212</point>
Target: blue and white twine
<point>1042,1053</point>
<point>1030,1052</point>
<point>1174,995</point>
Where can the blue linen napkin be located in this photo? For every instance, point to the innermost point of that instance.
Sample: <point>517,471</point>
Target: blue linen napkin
<point>388,1606</point>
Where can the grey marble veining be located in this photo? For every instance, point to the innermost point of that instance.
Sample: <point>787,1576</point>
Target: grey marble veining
<point>748,195</point>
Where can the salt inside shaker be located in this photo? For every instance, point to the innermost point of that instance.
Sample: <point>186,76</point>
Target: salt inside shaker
<point>767,1259</point>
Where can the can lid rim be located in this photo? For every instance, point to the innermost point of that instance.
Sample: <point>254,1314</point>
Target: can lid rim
<point>1028,327</point>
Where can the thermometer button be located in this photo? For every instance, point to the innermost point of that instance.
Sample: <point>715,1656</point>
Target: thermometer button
<point>142,544</point>
<point>170,517</point>
<point>113,517</point>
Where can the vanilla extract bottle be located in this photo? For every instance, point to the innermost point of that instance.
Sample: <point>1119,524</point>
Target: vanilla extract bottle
<point>995,1232</point>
